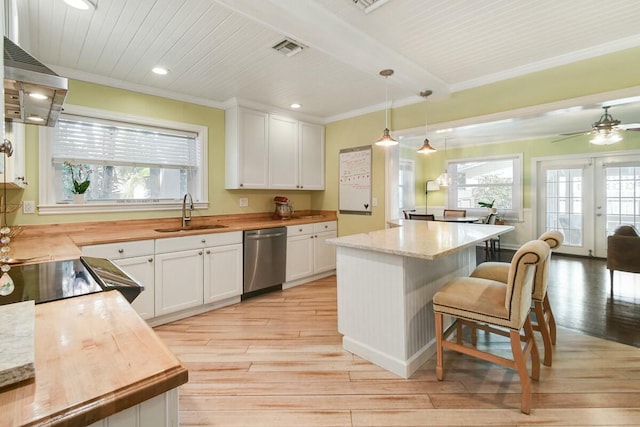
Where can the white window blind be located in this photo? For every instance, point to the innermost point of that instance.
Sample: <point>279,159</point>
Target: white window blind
<point>103,142</point>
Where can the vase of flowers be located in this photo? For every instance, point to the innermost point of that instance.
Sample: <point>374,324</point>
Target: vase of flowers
<point>79,179</point>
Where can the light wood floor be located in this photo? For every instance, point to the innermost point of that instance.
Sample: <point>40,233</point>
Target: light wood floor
<point>277,360</point>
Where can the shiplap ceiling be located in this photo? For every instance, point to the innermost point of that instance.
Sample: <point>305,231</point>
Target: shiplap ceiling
<point>217,50</point>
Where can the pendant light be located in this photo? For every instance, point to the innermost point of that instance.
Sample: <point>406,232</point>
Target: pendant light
<point>426,147</point>
<point>443,180</point>
<point>386,140</point>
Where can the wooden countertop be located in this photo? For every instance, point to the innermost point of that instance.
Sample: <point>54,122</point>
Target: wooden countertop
<point>422,239</point>
<point>40,243</point>
<point>94,356</point>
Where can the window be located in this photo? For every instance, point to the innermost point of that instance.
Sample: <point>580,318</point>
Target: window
<point>136,163</point>
<point>486,180</point>
<point>406,185</point>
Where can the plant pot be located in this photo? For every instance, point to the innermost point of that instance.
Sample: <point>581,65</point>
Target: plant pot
<point>493,210</point>
<point>78,199</point>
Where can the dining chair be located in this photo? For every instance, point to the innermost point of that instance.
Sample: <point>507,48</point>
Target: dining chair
<point>495,307</point>
<point>454,212</point>
<point>406,212</point>
<point>422,217</point>
<point>491,244</point>
<point>545,321</point>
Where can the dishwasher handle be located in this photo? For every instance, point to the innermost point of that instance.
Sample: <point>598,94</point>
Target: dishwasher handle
<point>263,236</point>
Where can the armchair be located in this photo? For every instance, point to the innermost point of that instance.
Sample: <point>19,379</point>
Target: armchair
<point>623,251</point>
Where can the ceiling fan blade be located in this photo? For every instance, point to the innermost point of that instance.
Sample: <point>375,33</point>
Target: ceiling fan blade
<point>582,132</point>
<point>630,126</point>
<point>568,137</point>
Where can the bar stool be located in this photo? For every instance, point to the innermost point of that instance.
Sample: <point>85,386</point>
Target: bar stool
<point>491,306</point>
<point>545,321</point>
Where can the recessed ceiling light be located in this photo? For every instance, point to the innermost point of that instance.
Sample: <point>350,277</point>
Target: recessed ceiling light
<point>295,105</point>
<point>36,95</point>
<point>161,71</point>
<point>81,4</point>
<point>35,118</point>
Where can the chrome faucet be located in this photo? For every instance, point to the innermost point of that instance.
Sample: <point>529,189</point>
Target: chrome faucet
<point>186,211</point>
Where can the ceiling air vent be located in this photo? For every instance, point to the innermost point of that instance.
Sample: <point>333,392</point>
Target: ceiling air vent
<point>289,47</point>
<point>368,6</point>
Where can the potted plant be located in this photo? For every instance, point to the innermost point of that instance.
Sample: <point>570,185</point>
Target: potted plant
<point>80,180</point>
<point>489,206</point>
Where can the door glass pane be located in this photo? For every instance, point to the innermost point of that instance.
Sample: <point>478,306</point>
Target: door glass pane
<point>623,196</point>
<point>564,204</point>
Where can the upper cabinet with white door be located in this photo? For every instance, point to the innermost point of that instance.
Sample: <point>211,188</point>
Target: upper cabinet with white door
<point>246,148</point>
<point>270,151</point>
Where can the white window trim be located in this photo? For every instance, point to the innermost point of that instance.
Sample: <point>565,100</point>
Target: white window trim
<point>517,213</point>
<point>45,170</point>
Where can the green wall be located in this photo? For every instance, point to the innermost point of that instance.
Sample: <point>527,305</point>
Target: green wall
<point>615,71</point>
<point>222,201</point>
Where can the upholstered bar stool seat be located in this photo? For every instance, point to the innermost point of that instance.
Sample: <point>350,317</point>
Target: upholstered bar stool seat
<point>545,322</point>
<point>488,304</point>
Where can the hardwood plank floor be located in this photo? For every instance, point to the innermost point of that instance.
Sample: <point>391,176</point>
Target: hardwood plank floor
<point>277,360</point>
<point>582,299</point>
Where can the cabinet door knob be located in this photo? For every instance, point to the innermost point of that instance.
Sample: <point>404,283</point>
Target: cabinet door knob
<point>200,253</point>
<point>120,250</point>
<point>300,230</point>
<point>203,241</point>
<point>208,252</point>
<point>150,259</point>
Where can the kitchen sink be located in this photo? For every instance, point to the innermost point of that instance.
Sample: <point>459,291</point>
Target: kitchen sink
<point>190,228</point>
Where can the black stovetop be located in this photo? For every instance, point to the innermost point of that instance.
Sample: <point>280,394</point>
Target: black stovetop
<point>51,281</point>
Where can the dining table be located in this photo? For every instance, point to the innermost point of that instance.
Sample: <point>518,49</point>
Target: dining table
<point>459,219</point>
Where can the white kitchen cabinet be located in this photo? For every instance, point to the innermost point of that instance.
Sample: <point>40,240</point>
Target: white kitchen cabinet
<point>324,254</point>
<point>310,156</point>
<point>14,175</point>
<point>143,270</point>
<point>308,254</point>
<point>222,272</point>
<point>136,259</point>
<point>195,270</point>
<point>283,153</point>
<point>269,151</point>
<point>159,411</point>
<point>179,280</point>
<point>246,148</point>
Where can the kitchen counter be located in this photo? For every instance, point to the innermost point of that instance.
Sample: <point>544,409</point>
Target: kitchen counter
<point>39,243</point>
<point>94,357</point>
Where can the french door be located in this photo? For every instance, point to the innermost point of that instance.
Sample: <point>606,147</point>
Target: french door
<point>586,199</point>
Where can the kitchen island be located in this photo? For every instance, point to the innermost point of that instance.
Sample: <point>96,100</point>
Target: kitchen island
<point>95,360</point>
<point>386,282</point>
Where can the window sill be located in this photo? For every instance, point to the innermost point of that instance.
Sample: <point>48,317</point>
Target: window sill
<point>89,207</point>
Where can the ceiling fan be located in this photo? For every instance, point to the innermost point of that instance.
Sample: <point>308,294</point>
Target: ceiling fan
<point>605,131</point>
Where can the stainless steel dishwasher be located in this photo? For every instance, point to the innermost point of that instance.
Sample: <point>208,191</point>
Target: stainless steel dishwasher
<point>265,258</point>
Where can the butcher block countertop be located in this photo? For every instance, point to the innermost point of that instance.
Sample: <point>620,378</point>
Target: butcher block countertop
<point>94,356</point>
<point>40,243</point>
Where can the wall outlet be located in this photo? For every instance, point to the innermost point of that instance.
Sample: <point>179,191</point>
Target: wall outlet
<point>374,201</point>
<point>243,202</point>
<point>29,207</point>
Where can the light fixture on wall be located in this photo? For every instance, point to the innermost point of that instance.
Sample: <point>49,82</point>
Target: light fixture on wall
<point>426,147</point>
<point>444,180</point>
<point>430,186</point>
<point>386,140</point>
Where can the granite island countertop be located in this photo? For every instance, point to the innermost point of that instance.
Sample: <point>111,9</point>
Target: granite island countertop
<point>422,239</point>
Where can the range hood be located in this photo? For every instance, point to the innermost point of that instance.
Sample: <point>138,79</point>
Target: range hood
<point>24,78</point>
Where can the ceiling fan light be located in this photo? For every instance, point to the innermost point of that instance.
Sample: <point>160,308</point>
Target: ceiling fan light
<point>606,138</point>
<point>426,147</point>
<point>386,140</point>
